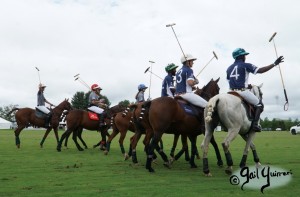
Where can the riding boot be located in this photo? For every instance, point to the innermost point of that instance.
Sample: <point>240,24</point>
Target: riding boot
<point>48,119</point>
<point>101,117</point>
<point>255,126</point>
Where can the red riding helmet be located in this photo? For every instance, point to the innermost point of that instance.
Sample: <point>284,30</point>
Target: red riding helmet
<point>95,86</point>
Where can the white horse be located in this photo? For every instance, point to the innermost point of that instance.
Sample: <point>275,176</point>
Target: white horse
<point>228,110</point>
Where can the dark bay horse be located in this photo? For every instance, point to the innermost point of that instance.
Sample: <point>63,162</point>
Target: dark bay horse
<point>166,115</point>
<point>77,120</point>
<point>27,117</point>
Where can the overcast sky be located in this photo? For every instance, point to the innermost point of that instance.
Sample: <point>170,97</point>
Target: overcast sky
<point>111,43</point>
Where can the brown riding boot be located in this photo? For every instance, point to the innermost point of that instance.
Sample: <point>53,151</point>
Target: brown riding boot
<point>102,122</point>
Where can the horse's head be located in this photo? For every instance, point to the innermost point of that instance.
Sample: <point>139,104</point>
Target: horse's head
<point>209,90</point>
<point>256,90</point>
<point>65,105</point>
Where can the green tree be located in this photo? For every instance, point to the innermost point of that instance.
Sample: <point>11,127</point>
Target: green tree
<point>124,103</point>
<point>4,111</point>
<point>79,100</point>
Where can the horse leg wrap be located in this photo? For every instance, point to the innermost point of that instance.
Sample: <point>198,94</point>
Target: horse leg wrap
<point>148,163</point>
<point>130,151</point>
<point>228,159</point>
<point>122,148</point>
<point>163,155</point>
<point>205,166</point>
<point>243,161</point>
<point>256,158</point>
<point>17,140</point>
<point>172,151</point>
<point>134,158</point>
<point>108,146</point>
<point>178,155</point>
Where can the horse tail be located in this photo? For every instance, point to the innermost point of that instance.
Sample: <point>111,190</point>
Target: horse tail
<point>128,109</point>
<point>11,111</point>
<point>211,107</point>
<point>145,109</point>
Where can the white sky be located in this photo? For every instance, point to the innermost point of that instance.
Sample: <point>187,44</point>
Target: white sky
<point>111,42</point>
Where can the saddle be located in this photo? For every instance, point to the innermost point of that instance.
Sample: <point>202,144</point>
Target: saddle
<point>248,107</point>
<point>39,114</point>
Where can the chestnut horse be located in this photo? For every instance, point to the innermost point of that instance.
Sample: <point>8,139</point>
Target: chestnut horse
<point>77,120</point>
<point>166,115</point>
<point>27,117</point>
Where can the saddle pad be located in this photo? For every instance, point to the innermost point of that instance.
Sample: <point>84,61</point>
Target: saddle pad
<point>188,109</point>
<point>93,116</point>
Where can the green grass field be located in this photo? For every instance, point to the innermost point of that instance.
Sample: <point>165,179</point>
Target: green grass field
<point>34,171</point>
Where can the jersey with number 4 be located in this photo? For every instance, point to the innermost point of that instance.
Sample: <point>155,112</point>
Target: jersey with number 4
<point>238,73</point>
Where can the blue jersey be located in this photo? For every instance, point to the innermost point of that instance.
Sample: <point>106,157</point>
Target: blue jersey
<point>238,73</point>
<point>167,85</point>
<point>182,76</point>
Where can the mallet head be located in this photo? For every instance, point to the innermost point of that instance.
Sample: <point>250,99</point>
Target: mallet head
<point>147,69</point>
<point>151,62</point>
<point>37,68</point>
<point>215,55</point>
<point>272,37</point>
<point>76,75</point>
<point>170,25</point>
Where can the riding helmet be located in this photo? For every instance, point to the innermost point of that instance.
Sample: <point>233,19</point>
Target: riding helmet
<point>238,52</point>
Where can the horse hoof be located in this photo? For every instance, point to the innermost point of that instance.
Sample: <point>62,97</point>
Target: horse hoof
<point>167,165</point>
<point>81,149</point>
<point>18,145</point>
<point>228,170</point>
<point>85,147</point>
<point>151,170</point>
<point>171,160</point>
<point>58,149</point>
<point>41,146</point>
<point>187,159</point>
<point>194,166</point>
<point>208,174</point>
<point>220,164</point>
<point>198,157</point>
<point>126,157</point>
<point>105,152</point>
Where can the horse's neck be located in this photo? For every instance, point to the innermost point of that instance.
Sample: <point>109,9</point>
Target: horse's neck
<point>58,110</point>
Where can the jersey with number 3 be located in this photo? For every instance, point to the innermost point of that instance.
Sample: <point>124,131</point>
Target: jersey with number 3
<point>182,76</point>
<point>238,73</point>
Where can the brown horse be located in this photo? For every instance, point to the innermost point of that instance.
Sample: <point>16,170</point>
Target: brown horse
<point>166,115</point>
<point>27,116</point>
<point>142,126</point>
<point>77,120</point>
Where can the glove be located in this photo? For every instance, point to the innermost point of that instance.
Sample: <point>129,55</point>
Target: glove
<point>278,61</point>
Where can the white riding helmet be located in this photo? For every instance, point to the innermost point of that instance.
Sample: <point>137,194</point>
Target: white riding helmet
<point>187,57</point>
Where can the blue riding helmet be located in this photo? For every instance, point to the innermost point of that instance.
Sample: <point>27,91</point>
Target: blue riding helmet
<point>142,87</point>
<point>238,52</point>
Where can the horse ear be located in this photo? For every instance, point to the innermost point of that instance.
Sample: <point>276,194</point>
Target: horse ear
<point>260,85</point>
<point>217,80</point>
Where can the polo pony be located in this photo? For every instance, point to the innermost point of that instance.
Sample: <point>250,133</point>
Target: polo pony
<point>166,115</point>
<point>230,111</point>
<point>30,117</point>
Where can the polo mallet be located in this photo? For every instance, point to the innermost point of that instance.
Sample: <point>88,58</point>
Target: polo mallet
<point>77,78</point>
<point>286,105</point>
<point>171,25</point>
<point>38,70</point>
<point>151,62</point>
<point>215,56</point>
<point>148,70</point>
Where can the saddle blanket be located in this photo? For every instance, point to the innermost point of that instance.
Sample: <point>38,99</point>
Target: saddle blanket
<point>93,116</point>
<point>189,109</point>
